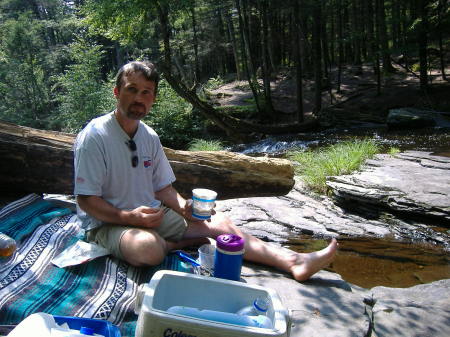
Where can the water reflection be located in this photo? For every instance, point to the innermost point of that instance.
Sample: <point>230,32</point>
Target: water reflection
<point>370,262</point>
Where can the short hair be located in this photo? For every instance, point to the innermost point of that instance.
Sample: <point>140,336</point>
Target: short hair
<point>146,68</point>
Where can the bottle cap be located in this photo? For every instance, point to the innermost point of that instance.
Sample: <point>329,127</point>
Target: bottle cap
<point>262,304</point>
<point>230,242</point>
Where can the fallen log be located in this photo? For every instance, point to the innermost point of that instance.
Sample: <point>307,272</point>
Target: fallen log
<point>41,161</point>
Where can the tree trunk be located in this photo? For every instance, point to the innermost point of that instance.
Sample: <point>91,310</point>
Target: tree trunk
<point>298,63</point>
<point>340,46</point>
<point>333,33</point>
<point>271,38</point>
<point>247,57</point>
<point>195,43</point>
<point>347,32</point>
<point>384,42</point>
<point>396,29</point>
<point>305,47</point>
<point>377,46</point>
<point>234,46</point>
<point>317,16</point>
<point>266,70</point>
<point>357,34</point>
<point>324,43</point>
<point>441,11</point>
<point>39,161</point>
<point>370,30</point>
<point>423,43</point>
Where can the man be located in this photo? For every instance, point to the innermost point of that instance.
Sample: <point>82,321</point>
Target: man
<point>125,197</point>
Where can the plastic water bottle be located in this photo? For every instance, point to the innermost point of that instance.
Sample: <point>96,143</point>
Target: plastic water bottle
<point>218,316</point>
<point>228,257</point>
<point>258,311</point>
<point>7,245</point>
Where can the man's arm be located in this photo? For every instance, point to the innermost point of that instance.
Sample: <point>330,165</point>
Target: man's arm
<point>102,210</point>
<point>172,199</point>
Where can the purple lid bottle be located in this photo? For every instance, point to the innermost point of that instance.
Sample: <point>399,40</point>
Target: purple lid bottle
<point>230,242</point>
<point>229,256</point>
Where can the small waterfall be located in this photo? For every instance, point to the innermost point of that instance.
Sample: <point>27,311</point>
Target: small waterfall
<point>274,146</point>
<point>433,140</point>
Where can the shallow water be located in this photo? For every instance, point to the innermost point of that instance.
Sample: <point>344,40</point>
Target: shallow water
<point>370,262</point>
<point>436,141</point>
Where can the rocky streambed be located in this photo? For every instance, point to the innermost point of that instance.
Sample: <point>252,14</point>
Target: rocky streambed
<point>404,198</point>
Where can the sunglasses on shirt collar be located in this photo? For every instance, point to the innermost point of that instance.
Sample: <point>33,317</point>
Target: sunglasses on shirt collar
<point>132,146</point>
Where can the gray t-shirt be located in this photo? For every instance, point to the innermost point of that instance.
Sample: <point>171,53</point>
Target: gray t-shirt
<point>102,161</point>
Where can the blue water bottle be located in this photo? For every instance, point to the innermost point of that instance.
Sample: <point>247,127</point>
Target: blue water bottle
<point>229,256</point>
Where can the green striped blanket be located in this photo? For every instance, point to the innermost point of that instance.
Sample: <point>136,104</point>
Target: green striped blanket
<point>104,288</point>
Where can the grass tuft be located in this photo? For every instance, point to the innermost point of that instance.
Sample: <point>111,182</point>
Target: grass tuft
<point>343,158</point>
<point>205,145</point>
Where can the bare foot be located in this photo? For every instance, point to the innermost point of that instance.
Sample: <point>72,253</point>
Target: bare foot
<point>307,264</point>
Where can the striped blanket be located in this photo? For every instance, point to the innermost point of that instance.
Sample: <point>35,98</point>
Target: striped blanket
<point>104,288</point>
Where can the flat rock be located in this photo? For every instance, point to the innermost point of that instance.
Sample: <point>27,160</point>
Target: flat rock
<point>423,310</point>
<point>323,306</point>
<point>362,214</point>
<point>413,184</point>
<point>327,306</point>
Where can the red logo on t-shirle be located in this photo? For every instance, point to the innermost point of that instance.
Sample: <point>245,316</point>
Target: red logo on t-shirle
<point>147,163</point>
<point>80,180</point>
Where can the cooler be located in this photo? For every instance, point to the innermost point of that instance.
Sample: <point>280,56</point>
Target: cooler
<point>171,288</point>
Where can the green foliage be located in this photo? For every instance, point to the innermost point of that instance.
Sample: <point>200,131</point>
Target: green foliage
<point>205,145</point>
<point>214,83</point>
<point>172,118</point>
<point>118,20</point>
<point>82,95</point>
<point>343,158</point>
<point>239,111</point>
<point>393,150</point>
<point>25,97</point>
<point>415,67</point>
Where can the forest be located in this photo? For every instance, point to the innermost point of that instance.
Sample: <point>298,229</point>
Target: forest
<point>58,58</point>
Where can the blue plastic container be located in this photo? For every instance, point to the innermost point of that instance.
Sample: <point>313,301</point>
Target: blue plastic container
<point>228,257</point>
<point>98,326</point>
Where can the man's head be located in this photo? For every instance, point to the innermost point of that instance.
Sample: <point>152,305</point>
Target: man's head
<point>146,68</point>
<point>135,90</point>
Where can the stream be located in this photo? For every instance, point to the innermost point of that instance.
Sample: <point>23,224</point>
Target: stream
<point>370,262</point>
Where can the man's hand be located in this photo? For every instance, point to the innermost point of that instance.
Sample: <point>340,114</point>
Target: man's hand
<point>172,199</point>
<point>144,216</point>
<point>187,212</point>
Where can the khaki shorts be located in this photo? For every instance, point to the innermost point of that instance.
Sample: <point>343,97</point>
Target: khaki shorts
<point>172,228</point>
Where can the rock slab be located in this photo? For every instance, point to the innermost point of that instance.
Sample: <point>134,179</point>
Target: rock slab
<point>327,306</point>
<point>414,184</point>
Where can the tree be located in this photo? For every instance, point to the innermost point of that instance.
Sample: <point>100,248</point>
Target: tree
<point>23,87</point>
<point>82,95</point>
<point>422,40</point>
<point>132,23</point>
<point>241,6</point>
<point>266,68</point>
<point>384,41</point>
<point>317,50</point>
<point>298,62</point>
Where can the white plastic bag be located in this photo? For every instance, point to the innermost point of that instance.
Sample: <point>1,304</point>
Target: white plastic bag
<point>80,252</point>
